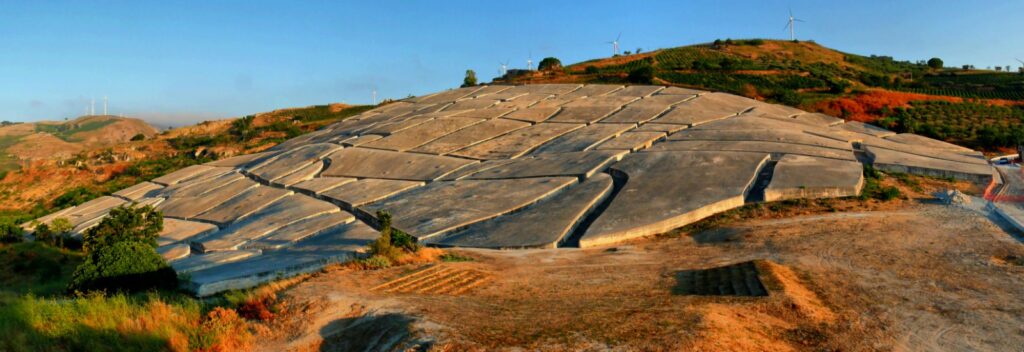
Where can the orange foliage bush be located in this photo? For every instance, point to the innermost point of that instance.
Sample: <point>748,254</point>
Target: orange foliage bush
<point>223,330</point>
<point>867,107</point>
<point>259,308</point>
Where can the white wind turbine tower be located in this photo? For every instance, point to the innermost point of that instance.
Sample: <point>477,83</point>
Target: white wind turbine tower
<point>791,24</point>
<point>104,105</point>
<point>615,44</point>
<point>529,62</point>
<point>92,106</point>
<point>504,67</point>
<point>374,97</point>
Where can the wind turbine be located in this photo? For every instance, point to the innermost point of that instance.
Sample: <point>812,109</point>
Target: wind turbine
<point>92,106</point>
<point>1021,64</point>
<point>529,62</point>
<point>791,24</point>
<point>104,105</point>
<point>504,67</point>
<point>615,44</point>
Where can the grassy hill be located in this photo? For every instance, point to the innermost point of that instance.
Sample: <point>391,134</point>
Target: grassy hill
<point>977,108</point>
<point>23,142</point>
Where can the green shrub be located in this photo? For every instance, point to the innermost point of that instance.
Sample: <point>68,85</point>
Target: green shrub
<point>376,262</point>
<point>591,70</point>
<point>392,242</point>
<point>642,75</point>
<point>125,223</point>
<point>242,128</point>
<point>11,232</point>
<point>470,79</point>
<point>138,137</point>
<point>123,266</point>
<point>43,234</point>
<point>873,189</point>
<point>121,253</point>
<point>75,196</point>
<point>549,63</point>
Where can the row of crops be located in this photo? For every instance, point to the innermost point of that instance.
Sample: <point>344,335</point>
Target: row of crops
<point>972,124</point>
<point>968,93</point>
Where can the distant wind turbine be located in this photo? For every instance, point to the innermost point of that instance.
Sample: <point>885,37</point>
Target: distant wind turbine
<point>504,67</point>
<point>104,105</point>
<point>791,25</point>
<point>529,62</point>
<point>92,106</point>
<point>615,44</point>
<point>1021,64</point>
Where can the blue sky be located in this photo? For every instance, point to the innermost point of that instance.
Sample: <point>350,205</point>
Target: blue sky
<point>179,62</point>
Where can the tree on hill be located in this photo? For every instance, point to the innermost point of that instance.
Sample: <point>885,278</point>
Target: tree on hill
<point>121,253</point>
<point>549,63</point>
<point>935,63</point>
<point>642,75</point>
<point>470,79</point>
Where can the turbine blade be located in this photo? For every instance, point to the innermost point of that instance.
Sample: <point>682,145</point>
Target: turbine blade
<point>788,23</point>
<point>618,36</point>
<point>799,20</point>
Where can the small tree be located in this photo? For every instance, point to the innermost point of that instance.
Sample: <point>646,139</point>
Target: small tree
<point>549,64</point>
<point>125,223</point>
<point>121,253</point>
<point>138,137</point>
<point>392,242</point>
<point>643,75</point>
<point>470,79</point>
<point>61,228</point>
<point>591,70</point>
<point>638,50</point>
<point>11,232</point>
<point>935,63</point>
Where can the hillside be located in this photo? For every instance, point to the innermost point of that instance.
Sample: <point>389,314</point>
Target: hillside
<point>900,95</point>
<point>45,140</point>
<point>87,166</point>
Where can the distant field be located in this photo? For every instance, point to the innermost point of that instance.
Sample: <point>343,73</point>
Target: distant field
<point>7,162</point>
<point>67,131</point>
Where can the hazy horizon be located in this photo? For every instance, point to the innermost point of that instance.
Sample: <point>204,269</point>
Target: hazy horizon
<point>176,64</point>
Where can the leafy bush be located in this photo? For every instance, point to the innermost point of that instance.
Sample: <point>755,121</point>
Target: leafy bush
<point>242,128</point>
<point>591,70</point>
<point>873,189</point>
<point>124,224</point>
<point>643,75</point>
<point>11,232</point>
<point>375,262</point>
<point>121,253</point>
<point>935,63</point>
<point>392,242</point>
<point>123,266</point>
<point>549,63</point>
<point>470,79</point>
<point>75,196</point>
<point>56,233</point>
<point>138,137</point>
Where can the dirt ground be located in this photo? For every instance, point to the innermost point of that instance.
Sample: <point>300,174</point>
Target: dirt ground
<point>920,277</point>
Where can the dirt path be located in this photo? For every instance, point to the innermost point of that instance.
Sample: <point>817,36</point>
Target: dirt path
<point>924,278</point>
